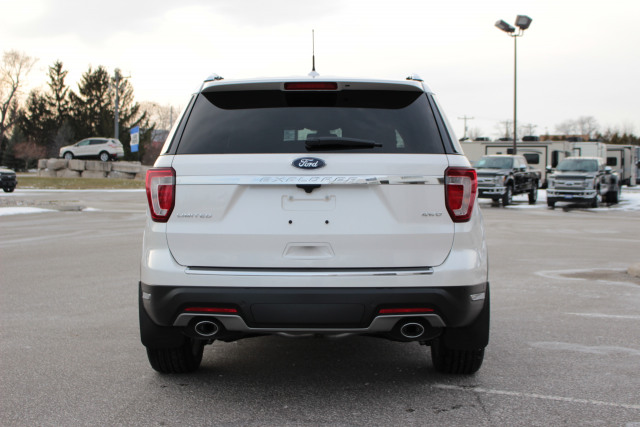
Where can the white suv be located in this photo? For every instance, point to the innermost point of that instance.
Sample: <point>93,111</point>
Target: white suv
<point>104,149</point>
<point>313,206</point>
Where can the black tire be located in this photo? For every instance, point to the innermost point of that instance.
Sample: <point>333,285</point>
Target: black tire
<point>177,360</point>
<point>461,350</point>
<point>597,199</point>
<point>533,194</point>
<point>507,197</point>
<point>68,155</point>
<point>9,190</point>
<point>551,204</point>
<point>614,196</point>
<point>453,361</point>
<point>104,156</point>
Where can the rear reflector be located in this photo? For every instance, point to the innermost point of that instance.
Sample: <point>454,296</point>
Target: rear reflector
<point>311,86</point>
<point>161,193</point>
<point>411,310</point>
<point>460,193</point>
<point>219,310</point>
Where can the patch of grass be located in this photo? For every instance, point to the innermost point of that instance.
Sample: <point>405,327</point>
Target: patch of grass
<point>36,182</point>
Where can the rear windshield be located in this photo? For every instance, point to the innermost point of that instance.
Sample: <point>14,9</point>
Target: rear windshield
<point>281,122</point>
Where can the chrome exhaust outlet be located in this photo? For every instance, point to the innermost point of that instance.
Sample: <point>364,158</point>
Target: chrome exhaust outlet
<point>206,328</point>
<point>411,330</point>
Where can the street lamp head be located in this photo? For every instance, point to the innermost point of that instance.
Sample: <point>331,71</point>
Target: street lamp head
<point>523,22</point>
<point>504,26</point>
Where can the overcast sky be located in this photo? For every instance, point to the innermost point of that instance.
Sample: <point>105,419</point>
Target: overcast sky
<point>578,58</point>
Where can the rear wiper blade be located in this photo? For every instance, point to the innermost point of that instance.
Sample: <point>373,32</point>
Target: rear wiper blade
<point>338,143</point>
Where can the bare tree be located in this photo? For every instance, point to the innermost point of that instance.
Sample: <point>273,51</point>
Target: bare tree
<point>566,128</point>
<point>528,129</point>
<point>474,133</point>
<point>587,126</point>
<point>29,151</point>
<point>504,129</point>
<point>162,115</point>
<point>14,68</point>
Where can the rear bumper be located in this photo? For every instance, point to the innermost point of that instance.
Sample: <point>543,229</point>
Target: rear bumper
<point>318,310</point>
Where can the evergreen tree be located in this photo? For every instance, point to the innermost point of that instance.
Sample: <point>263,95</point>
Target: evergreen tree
<point>92,107</point>
<point>58,96</point>
<point>37,121</point>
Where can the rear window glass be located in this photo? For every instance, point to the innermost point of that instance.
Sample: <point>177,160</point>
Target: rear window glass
<point>280,122</point>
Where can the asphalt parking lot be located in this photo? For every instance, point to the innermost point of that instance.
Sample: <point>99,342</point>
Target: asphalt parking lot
<point>564,350</point>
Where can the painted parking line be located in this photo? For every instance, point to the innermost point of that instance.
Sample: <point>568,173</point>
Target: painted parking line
<point>537,396</point>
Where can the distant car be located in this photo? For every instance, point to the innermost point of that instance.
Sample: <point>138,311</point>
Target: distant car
<point>584,180</point>
<point>104,149</point>
<point>8,179</point>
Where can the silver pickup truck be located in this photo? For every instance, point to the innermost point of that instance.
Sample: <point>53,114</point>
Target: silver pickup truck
<point>584,180</point>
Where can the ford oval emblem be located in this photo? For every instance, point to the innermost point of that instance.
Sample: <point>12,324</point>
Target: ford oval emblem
<point>308,163</point>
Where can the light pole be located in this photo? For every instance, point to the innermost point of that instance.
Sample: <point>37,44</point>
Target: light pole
<point>522,22</point>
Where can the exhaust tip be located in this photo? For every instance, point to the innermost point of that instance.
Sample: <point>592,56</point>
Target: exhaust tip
<point>206,328</point>
<point>412,330</point>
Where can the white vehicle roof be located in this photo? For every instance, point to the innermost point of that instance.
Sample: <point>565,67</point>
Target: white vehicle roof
<point>267,83</point>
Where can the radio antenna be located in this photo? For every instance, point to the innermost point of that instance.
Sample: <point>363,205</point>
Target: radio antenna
<point>313,72</point>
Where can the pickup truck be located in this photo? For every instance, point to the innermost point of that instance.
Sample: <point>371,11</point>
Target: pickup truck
<point>502,176</point>
<point>585,180</point>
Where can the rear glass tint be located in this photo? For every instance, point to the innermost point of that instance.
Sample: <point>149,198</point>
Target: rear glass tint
<point>280,122</point>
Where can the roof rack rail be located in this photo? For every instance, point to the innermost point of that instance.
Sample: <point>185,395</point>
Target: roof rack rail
<point>213,77</point>
<point>415,77</point>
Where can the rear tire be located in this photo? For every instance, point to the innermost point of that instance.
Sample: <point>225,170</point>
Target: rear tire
<point>613,197</point>
<point>178,360</point>
<point>533,194</point>
<point>104,156</point>
<point>461,350</point>
<point>551,204</point>
<point>454,361</point>
<point>9,189</point>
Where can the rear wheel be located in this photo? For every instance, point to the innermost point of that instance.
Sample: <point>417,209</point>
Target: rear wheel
<point>533,193</point>
<point>9,189</point>
<point>454,361</point>
<point>551,204</point>
<point>104,156</point>
<point>613,197</point>
<point>177,360</point>
<point>461,350</point>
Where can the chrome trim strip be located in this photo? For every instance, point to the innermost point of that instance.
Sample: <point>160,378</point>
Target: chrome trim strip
<point>308,273</point>
<point>235,323</point>
<point>309,179</point>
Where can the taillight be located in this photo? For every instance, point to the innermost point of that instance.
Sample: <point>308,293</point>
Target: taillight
<point>161,193</point>
<point>460,192</point>
<point>311,86</point>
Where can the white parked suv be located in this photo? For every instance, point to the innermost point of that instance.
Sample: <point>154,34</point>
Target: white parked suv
<point>313,207</point>
<point>104,149</point>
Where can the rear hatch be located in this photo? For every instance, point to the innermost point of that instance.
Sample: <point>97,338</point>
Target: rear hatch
<point>336,178</point>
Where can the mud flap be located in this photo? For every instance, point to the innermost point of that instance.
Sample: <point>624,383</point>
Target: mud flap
<point>155,336</point>
<point>473,336</point>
